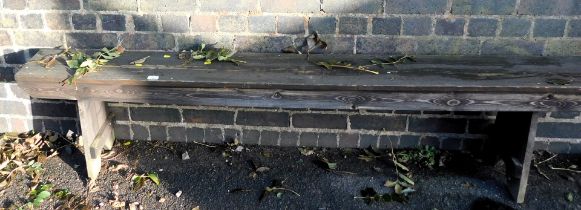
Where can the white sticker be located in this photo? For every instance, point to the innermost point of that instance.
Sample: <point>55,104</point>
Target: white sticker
<point>152,77</point>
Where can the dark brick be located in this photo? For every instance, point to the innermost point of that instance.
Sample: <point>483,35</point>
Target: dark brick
<point>158,41</point>
<point>5,39</point>
<point>208,116</point>
<point>38,38</point>
<point>155,114</point>
<point>232,23</point>
<point>168,5</point>
<point>113,5</point>
<point>565,115</point>
<point>437,112</point>
<point>349,6</point>
<point>335,45</point>
<point>549,28</point>
<point>262,24</point>
<point>71,125</point>
<point>515,27</point>
<point>406,112</point>
<point>451,144</point>
<point>120,113</point>
<point>231,134</point>
<point>559,130</point>
<point>14,4</point>
<point>482,27</point>
<point>478,7</point>
<point>277,119</point>
<point>409,142</point>
<point>512,47</point>
<point>145,22</point>
<point>54,4</point>
<point>352,25</point>
<point>122,132</point>
<point>98,40</point>
<point>309,120</point>
<point>308,139</point>
<point>559,147</point>
<point>187,42</point>
<point>389,141</point>
<point>348,140</point>
<point>12,57</point>
<point>36,124</point>
<point>31,21</point>
<point>269,138</point>
<point>480,126</point>
<point>469,113</point>
<point>84,21</point>
<point>250,136</point>
<point>54,110</point>
<point>450,27</point>
<point>575,28</point>
<point>113,22</point>
<point>437,125</point>
<point>175,23</point>
<point>328,140</point>
<point>195,134</point>
<point>563,48</point>
<point>176,134</point>
<point>386,26</point>
<point>291,25</point>
<point>415,6</point>
<point>417,26</point>
<point>262,44</point>
<point>430,141</point>
<point>158,133</point>
<point>58,21</point>
<point>140,132</point>
<point>290,6</point>
<point>289,138</point>
<point>370,122</point>
<point>366,140</point>
<point>52,125</point>
<point>555,7</point>
<point>8,21</point>
<point>575,148</point>
<point>474,145</point>
<point>229,6</point>
<point>322,25</point>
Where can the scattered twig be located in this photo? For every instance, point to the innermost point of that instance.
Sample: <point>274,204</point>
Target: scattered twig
<point>564,169</point>
<point>206,145</point>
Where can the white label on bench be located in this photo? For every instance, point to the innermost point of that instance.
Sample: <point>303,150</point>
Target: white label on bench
<point>152,77</point>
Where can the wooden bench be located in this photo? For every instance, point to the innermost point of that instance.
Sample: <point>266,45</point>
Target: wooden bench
<point>515,87</point>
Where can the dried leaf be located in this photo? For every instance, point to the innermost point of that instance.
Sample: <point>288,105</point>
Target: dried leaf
<point>406,179</point>
<point>140,61</point>
<point>262,169</point>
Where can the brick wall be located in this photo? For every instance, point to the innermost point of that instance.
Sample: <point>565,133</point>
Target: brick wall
<point>444,27</point>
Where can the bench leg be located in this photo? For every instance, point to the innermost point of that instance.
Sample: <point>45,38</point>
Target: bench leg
<point>514,138</point>
<point>97,133</point>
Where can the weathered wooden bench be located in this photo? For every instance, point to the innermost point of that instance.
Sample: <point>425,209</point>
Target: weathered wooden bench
<point>515,87</point>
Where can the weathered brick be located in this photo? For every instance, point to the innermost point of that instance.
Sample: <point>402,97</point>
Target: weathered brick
<point>338,45</point>
<point>250,136</point>
<point>18,125</point>
<point>54,110</point>
<point>543,7</point>
<point>291,25</point>
<point>480,126</point>
<point>437,125</point>
<point>437,112</point>
<point>349,140</point>
<point>54,4</point>
<point>175,23</point>
<point>8,21</point>
<point>5,39</point>
<point>14,57</point>
<point>208,116</point>
<point>451,143</point>
<point>229,6</point>
<point>388,141</point>
<point>575,148</point>
<point>232,23</point>
<point>559,147</point>
<point>168,5</point>
<point>158,132</point>
<point>145,22</point>
<point>290,6</point>
<point>308,139</point>
<point>574,28</point>
<point>31,21</point>
<point>3,91</point>
<point>204,23</point>
<point>231,134</point>
<point>13,108</point>
<point>114,5</point>
<point>415,6</point>
<point>352,25</point>
<point>322,25</point>
<point>6,74</point>
<point>477,7</point>
<point>409,142</point>
<point>289,138</point>
<point>450,27</point>
<point>155,114</point>
<point>120,113</point>
<point>376,45</point>
<point>482,27</point>
<point>158,41</point>
<point>406,112</point>
<point>328,140</point>
<point>195,134</point>
<point>474,145</point>
<point>386,26</point>
<point>262,24</point>
<point>309,120</point>
<point>563,48</point>
<point>58,21</point>
<point>14,4</point>
<point>187,42</point>
<point>559,130</point>
<point>417,26</point>
<point>371,122</point>
<point>269,137</point>
<point>430,141</point>
<point>176,134</point>
<point>17,91</point>
<point>98,40</point>
<point>84,21</point>
<point>4,124</point>
<point>262,44</point>
<point>122,132</point>
<point>549,28</point>
<point>512,47</point>
<point>349,6</point>
<point>113,22</point>
<point>515,27</point>
<point>565,114</point>
<point>278,119</point>
<point>51,125</point>
<point>366,140</point>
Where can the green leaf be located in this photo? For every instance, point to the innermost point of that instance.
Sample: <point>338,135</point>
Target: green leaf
<point>153,176</point>
<point>324,64</point>
<point>73,64</point>
<point>401,166</point>
<point>40,198</point>
<point>198,57</point>
<point>87,63</point>
<point>62,193</point>
<point>406,179</point>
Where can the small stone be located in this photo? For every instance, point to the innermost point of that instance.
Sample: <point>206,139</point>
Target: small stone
<point>179,193</point>
<point>161,200</point>
<point>239,149</point>
<point>185,156</point>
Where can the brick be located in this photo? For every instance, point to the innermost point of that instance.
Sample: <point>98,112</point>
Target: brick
<point>14,57</point>
<point>175,23</point>
<point>370,122</point>
<point>338,45</point>
<point>386,26</point>
<point>474,145</point>
<point>437,125</point>
<point>122,132</point>
<point>575,148</point>
<point>168,5</point>
<point>120,113</point>
<point>58,21</point>
<point>4,125</point>
<point>450,27</point>
<point>71,125</point>
<point>145,22</point>
<point>290,6</point>
<point>208,116</point>
<point>563,48</point>
<point>5,39</point>
<point>288,138</point>
<point>231,134</point>
<point>13,108</point>
<point>158,133</point>
<point>98,40</point>
<point>3,91</point>
<point>269,138</point>
<point>291,25</point>
<point>549,28</point>
<point>157,41</point>
<point>54,4</point>
<point>229,6</point>
<point>18,125</point>
<point>6,74</point>
<point>348,140</point>
<point>559,130</point>
<point>409,142</point>
<point>262,44</point>
<point>204,23</point>
<point>308,120</point>
<point>322,25</point>
<point>388,141</point>
<point>574,28</point>
<point>31,21</point>
<point>406,112</point>
<point>430,141</point>
<point>308,139</point>
<point>195,134</point>
<point>480,126</point>
<point>51,125</point>
<point>113,22</point>
<point>36,125</point>
<point>437,112</point>
<point>542,7</point>
<point>8,21</point>
<point>277,119</point>
<point>512,47</point>
<point>14,4</point>
<point>187,42</point>
<point>84,21</point>
<point>328,140</point>
<point>250,136</point>
<point>176,134</point>
<point>54,110</point>
<point>565,114</point>
<point>349,6</point>
<point>352,25</point>
<point>262,24</point>
<point>515,27</point>
<point>366,140</point>
<point>477,7</point>
<point>140,132</point>
<point>559,147</point>
<point>155,114</point>
<point>113,5</point>
<point>417,26</point>
<point>415,6</point>
<point>232,23</point>
<point>451,144</point>
<point>482,27</point>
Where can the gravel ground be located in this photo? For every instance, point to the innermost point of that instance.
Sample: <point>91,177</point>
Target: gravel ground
<point>206,178</point>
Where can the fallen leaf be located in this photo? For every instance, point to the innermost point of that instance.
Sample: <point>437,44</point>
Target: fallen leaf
<point>569,197</point>
<point>262,169</point>
<point>306,151</point>
<point>166,56</point>
<point>139,61</point>
<point>119,167</point>
<point>118,204</point>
